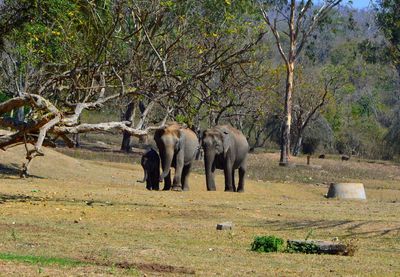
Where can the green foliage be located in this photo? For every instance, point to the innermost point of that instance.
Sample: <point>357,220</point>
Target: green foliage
<point>40,260</point>
<point>267,244</point>
<point>13,234</point>
<point>373,52</point>
<point>62,31</point>
<point>388,19</point>
<point>299,247</point>
<point>310,145</point>
<point>3,97</point>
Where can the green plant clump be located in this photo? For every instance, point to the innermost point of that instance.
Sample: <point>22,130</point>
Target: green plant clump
<point>301,247</point>
<point>267,244</point>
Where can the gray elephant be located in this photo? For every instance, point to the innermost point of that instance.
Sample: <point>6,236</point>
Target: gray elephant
<point>178,147</point>
<point>225,148</point>
<point>151,166</point>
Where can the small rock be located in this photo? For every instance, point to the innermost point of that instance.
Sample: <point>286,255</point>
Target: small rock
<point>225,226</point>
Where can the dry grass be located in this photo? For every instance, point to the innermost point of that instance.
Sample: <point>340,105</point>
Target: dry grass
<point>94,212</point>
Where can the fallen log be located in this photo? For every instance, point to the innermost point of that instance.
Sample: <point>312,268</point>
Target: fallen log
<point>321,247</point>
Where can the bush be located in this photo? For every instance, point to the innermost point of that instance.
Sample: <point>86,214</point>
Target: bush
<point>267,244</point>
<point>310,145</point>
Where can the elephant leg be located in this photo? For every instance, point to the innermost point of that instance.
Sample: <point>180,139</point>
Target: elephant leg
<point>155,181</point>
<point>167,182</point>
<point>242,173</point>
<point>210,178</point>
<point>156,176</point>
<point>233,180</point>
<point>148,183</point>
<point>166,178</point>
<point>177,185</point>
<point>228,175</point>
<point>185,177</point>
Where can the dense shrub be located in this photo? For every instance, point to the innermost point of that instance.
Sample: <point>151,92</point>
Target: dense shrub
<point>267,244</point>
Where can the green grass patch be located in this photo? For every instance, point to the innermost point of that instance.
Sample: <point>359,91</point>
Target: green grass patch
<point>40,260</point>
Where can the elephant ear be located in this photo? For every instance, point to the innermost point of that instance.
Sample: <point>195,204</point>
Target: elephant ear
<point>181,138</point>
<point>226,138</point>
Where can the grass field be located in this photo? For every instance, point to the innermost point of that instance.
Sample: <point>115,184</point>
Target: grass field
<point>89,217</point>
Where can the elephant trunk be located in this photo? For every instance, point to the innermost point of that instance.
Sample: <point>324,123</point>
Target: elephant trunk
<point>144,177</point>
<point>208,163</point>
<point>166,162</point>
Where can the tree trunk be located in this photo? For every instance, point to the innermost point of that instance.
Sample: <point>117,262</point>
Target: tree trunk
<point>21,114</point>
<point>126,137</point>
<point>297,146</point>
<point>285,137</point>
<point>321,247</point>
<point>77,140</point>
<point>77,137</point>
<point>290,62</point>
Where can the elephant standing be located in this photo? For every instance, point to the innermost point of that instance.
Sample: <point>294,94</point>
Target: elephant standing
<point>178,147</point>
<point>151,166</point>
<point>225,148</point>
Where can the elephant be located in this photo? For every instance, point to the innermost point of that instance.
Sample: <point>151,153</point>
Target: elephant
<point>151,166</point>
<point>225,148</point>
<point>178,147</point>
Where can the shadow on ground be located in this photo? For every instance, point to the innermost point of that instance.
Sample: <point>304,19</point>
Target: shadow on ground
<point>13,170</point>
<point>352,228</point>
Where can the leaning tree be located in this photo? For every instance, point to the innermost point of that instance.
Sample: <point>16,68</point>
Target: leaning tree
<point>67,59</point>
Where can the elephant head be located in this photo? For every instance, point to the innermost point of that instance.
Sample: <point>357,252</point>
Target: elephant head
<point>169,141</point>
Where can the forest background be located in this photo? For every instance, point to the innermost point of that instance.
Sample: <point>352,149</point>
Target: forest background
<point>72,67</point>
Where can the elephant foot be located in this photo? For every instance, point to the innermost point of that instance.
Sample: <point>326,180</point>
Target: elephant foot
<point>230,190</point>
<point>177,188</point>
<point>166,188</point>
<point>240,190</point>
<point>186,188</point>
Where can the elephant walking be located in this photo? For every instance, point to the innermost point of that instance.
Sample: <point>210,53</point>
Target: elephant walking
<point>225,148</point>
<point>151,166</point>
<point>178,147</point>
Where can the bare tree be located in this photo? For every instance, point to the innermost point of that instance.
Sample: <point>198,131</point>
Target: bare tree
<point>314,93</point>
<point>301,19</point>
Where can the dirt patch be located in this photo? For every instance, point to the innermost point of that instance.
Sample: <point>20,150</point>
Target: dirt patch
<point>153,267</point>
<point>17,198</point>
<point>148,267</point>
